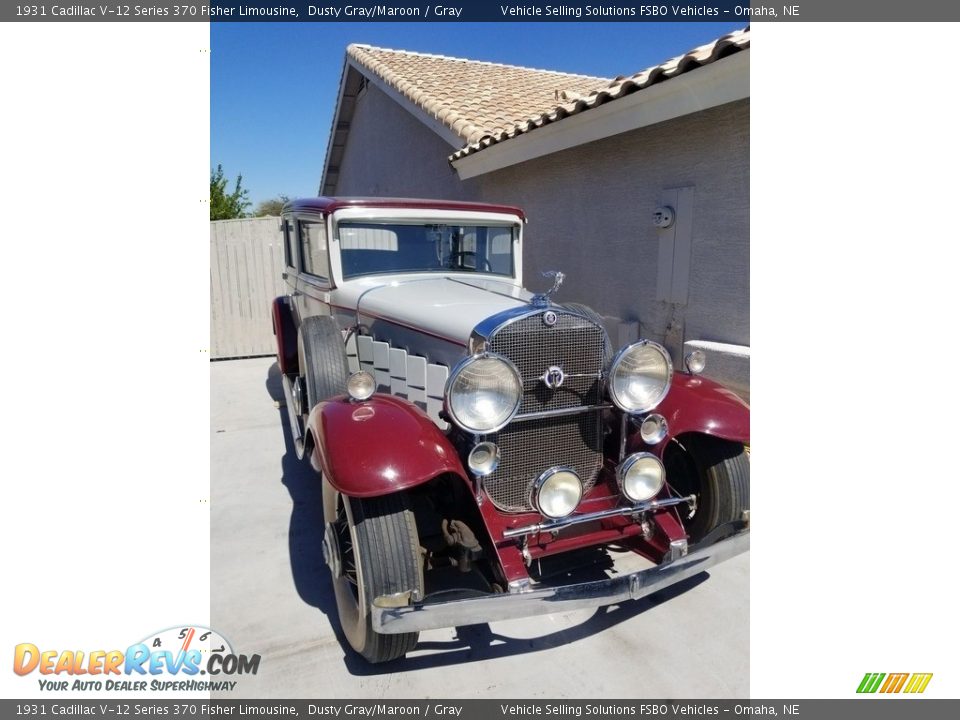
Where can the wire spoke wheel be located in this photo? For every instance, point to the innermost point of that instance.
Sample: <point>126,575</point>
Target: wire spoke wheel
<point>345,548</point>
<point>377,554</point>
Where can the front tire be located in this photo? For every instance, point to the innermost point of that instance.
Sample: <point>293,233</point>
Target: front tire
<point>717,471</point>
<point>372,548</point>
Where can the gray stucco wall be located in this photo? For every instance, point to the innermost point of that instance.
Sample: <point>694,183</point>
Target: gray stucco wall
<point>590,208</point>
<point>389,153</point>
<point>590,212</point>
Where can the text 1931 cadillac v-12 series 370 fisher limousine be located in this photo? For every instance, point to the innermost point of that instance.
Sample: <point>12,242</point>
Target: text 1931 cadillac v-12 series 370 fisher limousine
<point>477,441</point>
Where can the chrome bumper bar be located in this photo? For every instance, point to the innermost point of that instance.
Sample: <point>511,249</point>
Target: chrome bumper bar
<point>551,525</point>
<point>389,619</point>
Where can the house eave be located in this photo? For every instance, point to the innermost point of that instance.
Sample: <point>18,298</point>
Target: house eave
<point>721,82</point>
<point>328,184</point>
<point>449,136</point>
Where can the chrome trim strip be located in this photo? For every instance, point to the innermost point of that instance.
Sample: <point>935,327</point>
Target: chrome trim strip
<point>486,328</point>
<point>495,292</point>
<point>623,436</point>
<point>551,525</point>
<point>561,411</point>
<point>545,600</point>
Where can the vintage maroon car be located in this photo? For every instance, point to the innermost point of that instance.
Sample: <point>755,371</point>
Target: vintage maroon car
<point>477,441</point>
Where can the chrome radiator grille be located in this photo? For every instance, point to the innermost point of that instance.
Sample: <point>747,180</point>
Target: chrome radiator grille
<point>574,344</point>
<point>530,447</point>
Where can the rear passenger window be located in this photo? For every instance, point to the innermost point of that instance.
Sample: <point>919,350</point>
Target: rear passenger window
<point>290,244</point>
<point>313,241</point>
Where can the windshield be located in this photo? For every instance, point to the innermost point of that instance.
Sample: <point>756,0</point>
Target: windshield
<point>374,248</point>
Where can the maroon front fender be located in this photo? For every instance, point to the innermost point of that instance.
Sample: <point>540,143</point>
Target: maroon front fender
<point>696,404</point>
<point>378,446</point>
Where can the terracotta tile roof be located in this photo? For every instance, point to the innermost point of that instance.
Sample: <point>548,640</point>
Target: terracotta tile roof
<point>476,100</point>
<point>698,57</point>
<point>485,103</point>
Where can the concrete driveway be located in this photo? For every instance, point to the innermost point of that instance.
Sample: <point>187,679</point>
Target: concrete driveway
<point>270,594</point>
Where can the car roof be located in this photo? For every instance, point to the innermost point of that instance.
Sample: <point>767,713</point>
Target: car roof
<point>328,205</point>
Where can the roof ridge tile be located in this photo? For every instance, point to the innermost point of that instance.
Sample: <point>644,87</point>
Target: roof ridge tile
<point>502,105</point>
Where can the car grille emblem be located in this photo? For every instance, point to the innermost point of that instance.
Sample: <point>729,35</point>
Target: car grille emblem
<point>553,377</point>
<point>549,318</point>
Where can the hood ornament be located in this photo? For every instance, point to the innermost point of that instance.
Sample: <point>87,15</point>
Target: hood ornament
<point>543,299</point>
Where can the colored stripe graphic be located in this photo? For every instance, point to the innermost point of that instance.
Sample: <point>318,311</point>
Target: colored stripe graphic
<point>918,682</point>
<point>894,682</point>
<point>870,682</point>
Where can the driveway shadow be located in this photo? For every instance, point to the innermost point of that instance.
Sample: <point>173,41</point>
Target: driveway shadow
<point>305,538</point>
<point>472,643</point>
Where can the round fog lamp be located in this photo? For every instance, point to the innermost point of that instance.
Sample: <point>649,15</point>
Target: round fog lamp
<point>361,385</point>
<point>641,476</point>
<point>483,459</point>
<point>557,492</point>
<point>695,361</point>
<point>653,429</point>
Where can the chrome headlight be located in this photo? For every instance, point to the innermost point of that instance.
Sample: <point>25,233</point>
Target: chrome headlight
<point>641,476</point>
<point>640,376</point>
<point>483,393</point>
<point>557,492</point>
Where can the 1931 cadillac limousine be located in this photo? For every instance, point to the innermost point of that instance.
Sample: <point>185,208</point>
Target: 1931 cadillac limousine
<point>477,441</point>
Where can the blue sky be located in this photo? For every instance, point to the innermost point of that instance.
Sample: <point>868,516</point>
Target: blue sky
<point>273,86</point>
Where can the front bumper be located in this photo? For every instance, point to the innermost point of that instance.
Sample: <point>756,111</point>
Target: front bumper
<point>720,545</point>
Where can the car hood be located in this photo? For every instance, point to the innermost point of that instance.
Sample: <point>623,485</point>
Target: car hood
<point>448,308</point>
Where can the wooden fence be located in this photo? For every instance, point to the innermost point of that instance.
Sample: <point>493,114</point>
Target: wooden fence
<point>246,262</point>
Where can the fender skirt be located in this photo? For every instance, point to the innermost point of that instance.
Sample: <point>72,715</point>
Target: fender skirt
<point>696,404</point>
<point>379,446</point>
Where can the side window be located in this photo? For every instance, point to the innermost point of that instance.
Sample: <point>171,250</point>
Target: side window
<point>290,244</point>
<point>500,250</point>
<point>313,242</point>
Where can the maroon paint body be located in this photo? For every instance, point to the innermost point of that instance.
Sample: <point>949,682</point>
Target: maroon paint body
<point>697,404</point>
<point>387,444</point>
<point>379,446</point>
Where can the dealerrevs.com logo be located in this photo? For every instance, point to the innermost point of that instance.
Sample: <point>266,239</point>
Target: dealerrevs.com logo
<point>894,683</point>
<point>180,659</point>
